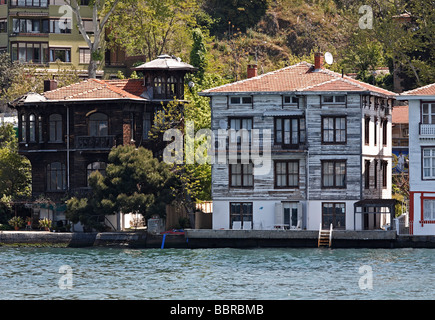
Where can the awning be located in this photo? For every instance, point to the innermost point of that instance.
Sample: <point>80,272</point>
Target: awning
<point>283,113</point>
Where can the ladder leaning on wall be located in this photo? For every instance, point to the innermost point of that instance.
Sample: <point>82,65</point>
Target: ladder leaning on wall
<point>325,237</point>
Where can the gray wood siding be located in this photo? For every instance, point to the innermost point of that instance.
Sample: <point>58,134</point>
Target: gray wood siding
<point>310,154</point>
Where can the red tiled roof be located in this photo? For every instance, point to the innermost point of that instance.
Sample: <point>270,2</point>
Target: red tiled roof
<point>299,77</point>
<point>400,114</point>
<point>97,89</point>
<point>428,90</point>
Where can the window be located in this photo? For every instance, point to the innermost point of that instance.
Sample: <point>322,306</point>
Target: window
<point>85,55</point>
<point>3,25</point>
<point>334,213</point>
<point>95,166</point>
<point>375,177</point>
<point>367,130</point>
<point>241,215</point>
<point>29,3</point>
<point>334,174</point>
<point>291,100</point>
<point>367,174</point>
<point>56,177</point>
<point>172,86</point>
<point>98,125</point>
<point>384,165</point>
<point>286,174</point>
<point>428,113</point>
<point>385,131</point>
<point>55,123</point>
<point>429,209</point>
<point>429,163</point>
<point>288,132</point>
<point>242,175</point>
<point>240,100</point>
<point>40,138</point>
<point>30,52</point>
<point>60,26</point>
<point>32,128</point>
<point>23,128</point>
<point>376,130</point>
<point>61,54</point>
<point>29,25</point>
<point>333,129</point>
<point>237,124</point>
<point>334,99</point>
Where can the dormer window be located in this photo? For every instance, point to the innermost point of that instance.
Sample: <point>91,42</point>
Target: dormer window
<point>334,99</point>
<point>241,100</point>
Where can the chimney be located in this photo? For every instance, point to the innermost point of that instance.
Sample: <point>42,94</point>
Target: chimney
<point>318,61</point>
<point>252,70</point>
<point>50,85</point>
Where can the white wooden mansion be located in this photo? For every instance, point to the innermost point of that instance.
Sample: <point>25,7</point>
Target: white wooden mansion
<point>421,159</point>
<point>330,150</point>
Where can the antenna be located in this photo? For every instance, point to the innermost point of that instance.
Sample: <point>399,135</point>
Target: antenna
<point>328,58</point>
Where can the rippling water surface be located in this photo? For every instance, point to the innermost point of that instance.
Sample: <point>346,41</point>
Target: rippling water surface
<point>108,273</point>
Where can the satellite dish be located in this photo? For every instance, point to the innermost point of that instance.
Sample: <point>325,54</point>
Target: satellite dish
<point>328,58</point>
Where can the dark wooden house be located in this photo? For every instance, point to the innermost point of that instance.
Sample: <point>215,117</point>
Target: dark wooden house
<point>67,133</point>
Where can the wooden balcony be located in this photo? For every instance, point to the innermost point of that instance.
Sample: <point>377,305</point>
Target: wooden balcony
<point>95,143</point>
<point>427,130</point>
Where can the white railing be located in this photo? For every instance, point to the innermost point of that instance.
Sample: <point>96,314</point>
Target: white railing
<point>330,235</point>
<point>427,129</point>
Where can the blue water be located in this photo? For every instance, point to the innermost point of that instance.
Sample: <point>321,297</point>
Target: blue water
<point>269,274</point>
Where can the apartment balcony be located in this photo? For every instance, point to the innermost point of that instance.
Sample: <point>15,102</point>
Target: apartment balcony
<point>427,130</point>
<point>95,143</point>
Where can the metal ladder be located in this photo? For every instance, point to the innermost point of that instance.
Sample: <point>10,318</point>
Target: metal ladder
<point>325,237</point>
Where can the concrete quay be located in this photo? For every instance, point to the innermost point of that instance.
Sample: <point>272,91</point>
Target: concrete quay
<point>207,238</point>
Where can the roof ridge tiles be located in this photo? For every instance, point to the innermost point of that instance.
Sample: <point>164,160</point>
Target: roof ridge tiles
<point>419,89</point>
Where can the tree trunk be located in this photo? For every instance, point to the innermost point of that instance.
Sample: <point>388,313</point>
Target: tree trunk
<point>92,69</point>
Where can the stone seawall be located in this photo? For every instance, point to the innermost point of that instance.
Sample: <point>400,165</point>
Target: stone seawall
<point>93,239</point>
<point>207,238</point>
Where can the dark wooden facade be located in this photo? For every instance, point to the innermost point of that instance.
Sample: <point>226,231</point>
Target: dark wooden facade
<point>66,138</point>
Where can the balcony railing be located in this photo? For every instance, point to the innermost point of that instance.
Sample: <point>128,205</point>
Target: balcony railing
<point>95,143</point>
<point>427,129</point>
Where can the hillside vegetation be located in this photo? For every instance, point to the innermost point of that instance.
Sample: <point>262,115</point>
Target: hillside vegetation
<point>278,33</point>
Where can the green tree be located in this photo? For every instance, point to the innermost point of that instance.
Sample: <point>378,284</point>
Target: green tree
<point>15,170</point>
<point>134,182</point>
<point>198,53</point>
<point>155,26</point>
<point>101,11</point>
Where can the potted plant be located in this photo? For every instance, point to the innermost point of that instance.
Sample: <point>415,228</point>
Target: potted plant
<point>45,223</point>
<point>16,222</point>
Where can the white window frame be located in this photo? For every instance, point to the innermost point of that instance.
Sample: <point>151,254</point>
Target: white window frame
<point>334,99</point>
<point>429,164</point>
<point>232,100</point>
<point>428,209</point>
<point>292,100</point>
<point>429,114</point>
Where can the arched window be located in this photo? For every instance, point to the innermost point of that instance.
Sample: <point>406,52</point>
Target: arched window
<point>40,139</point>
<point>98,125</point>
<point>23,137</point>
<point>95,166</point>
<point>56,176</point>
<point>32,128</point>
<point>55,121</point>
